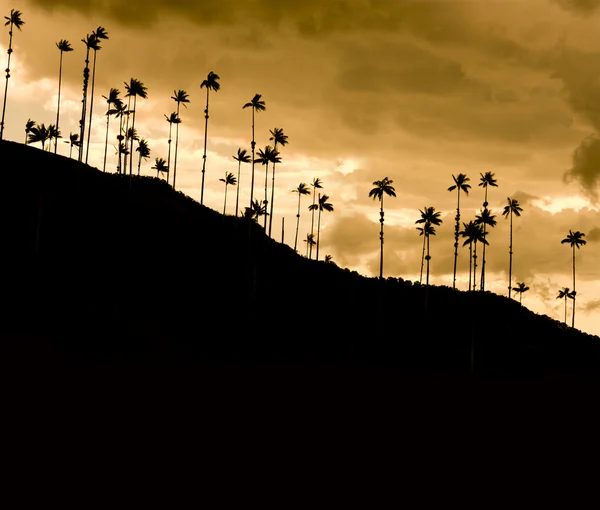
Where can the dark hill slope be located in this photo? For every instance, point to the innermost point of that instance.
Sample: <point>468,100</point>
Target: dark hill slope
<point>98,265</point>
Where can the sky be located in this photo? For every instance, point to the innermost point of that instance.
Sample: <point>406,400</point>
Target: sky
<point>416,91</point>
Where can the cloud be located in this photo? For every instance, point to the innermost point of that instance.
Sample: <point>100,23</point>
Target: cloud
<point>581,7</point>
<point>586,166</point>
<point>591,306</point>
<point>594,235</point>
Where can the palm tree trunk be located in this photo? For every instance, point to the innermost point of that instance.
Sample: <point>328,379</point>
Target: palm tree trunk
<point>470,262</point>
<point>265,201</point>
<point>456,229</point>
<point>133,130</point>
<point>58,106</point>
<point>120,168</point>
<point>272,197</point>
<point>86,77</point>
<point>71,151</point>
<point>422,258</point>
<point>428,259</point>
<point>205,141</point>
<point>566,308</point>
<point>7,78</point>
<point>510,254</point>
<point>319,229</point>
<point>475,266</point>
<point>106,141</point>
<point>169,151</point>
<point>225,203</point>
<point>574,293</point>
<point>253,145</point>
<point>282,229</point>
<point>312,223</point>
<point>124,169</point>
<point>297,223</point>
<point>87,150</point>
<point>139,163</point>
<point>237,192</point>
<point>482,286</point>
<point>176,145</point>
<point>381,239</point>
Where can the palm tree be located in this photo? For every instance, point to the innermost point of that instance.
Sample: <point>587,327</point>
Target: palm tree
<point>14,20</point>
<point>39,133</point>
<point>211,83</point>
<point>460,184</point>
<point>28,125</point>
<point>301,190</point>
<point>53,134</point>
<point>134,89</point>
<point>322,205</point>
<point>180,97</point>
<point>429,217</point>
<point>171,119</point>
<point>521,288</point>
<point>122,148</point>
<point>121,111</point>
<point>143,149</point>
<point>91,43</point>
<point>310,242</point>
<point>328,259</point>
<point>316,184</point>
<point>112,100</point>
<point>64,46</point>
<point>383,187</point>
<point>257,105</point>
<point>278,137</point>
<point>576,240</point>
<point>485,181</point>
<point>73,141</point>
<point>564,293</point>
<point>228,180</point>
<point>242,157</point>
<point>485,218</point>
<point>511,208</point>
<point>473,232</point>
<point>160,166</point>
<point>99,33</point>
<point>269,155</point>
<point>257,210</point>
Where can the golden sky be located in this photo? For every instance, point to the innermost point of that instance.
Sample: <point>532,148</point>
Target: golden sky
<point>413,90</point>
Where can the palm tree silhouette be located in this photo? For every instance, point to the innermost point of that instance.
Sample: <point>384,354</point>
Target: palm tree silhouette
<point>229,179</point>
<point>565,294</point>
<point>473,232</point>
<point>64,46</point>
<point>135,88</point>
<point>321,205</point>
<point>53,134</point>
<point>39,133</point>
<point>112,100</point>
<point>121,110</point>
<point>242,157</point>
<point>160,165</point>
<point>521,288</point>
<point>99,33</point>
<point>269,155</point>
<point>575,240</point>
<point>91,43</point>
<point>171,119</point>
<point>383,187</point>
<point>301,190</point>
<point>14,20</point>
<point>485,218</point>
<point>180,97</point>
<point>316,184</point>
<point>310,242</point>
<point>429,217</point>
<point>28,125</point>
<point>328,259</point>
<point>511,208</point>
<point>257,210</point>
<point>485,181</point>
<point>257,105</point>
<point>73,141</point>
<point>143,149</point>
<point>211,83</point>
<point>279,138</point>
<point>460,184</point>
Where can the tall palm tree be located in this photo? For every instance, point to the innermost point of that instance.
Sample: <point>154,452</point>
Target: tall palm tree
<point>160,165</point>
<point>565,294</point>
<point>279,138</point>
<point>121,110</point>
<point>486,180</point>
<point>269,155</point>
<point>316,184</point>
<point>460,184</point>
<point>382,187</point>
<point>73,141</point>
<point>39,133</point>
<point>53,134</point>
<point>28,125</point>
<point>14,20</point>
<point>310,242</point>
<point>473,232</point>
<point>257,105</point>
<point>99,33</point>
<point>241,157</point>
<point>511,208</point>
<point>117,104</point>
<point>211,83</point>
<point>143,149</point>
<point>429,217</point>
<point>229,179</point>
<point>485,218</point>
<point>91,43</point>
<point>171,119</point>
<point>302,189</point>
<point>135,89</point>
<point>521,288</point>
<point>181,98</point>
<point>63,46</point>
<point>575,240</point>
<point>321,205</point>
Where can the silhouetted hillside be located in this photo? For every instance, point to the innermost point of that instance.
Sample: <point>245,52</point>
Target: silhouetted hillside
<point>99,266</point>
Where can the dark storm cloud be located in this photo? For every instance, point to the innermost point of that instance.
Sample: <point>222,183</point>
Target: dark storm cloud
<point>586,166</point>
